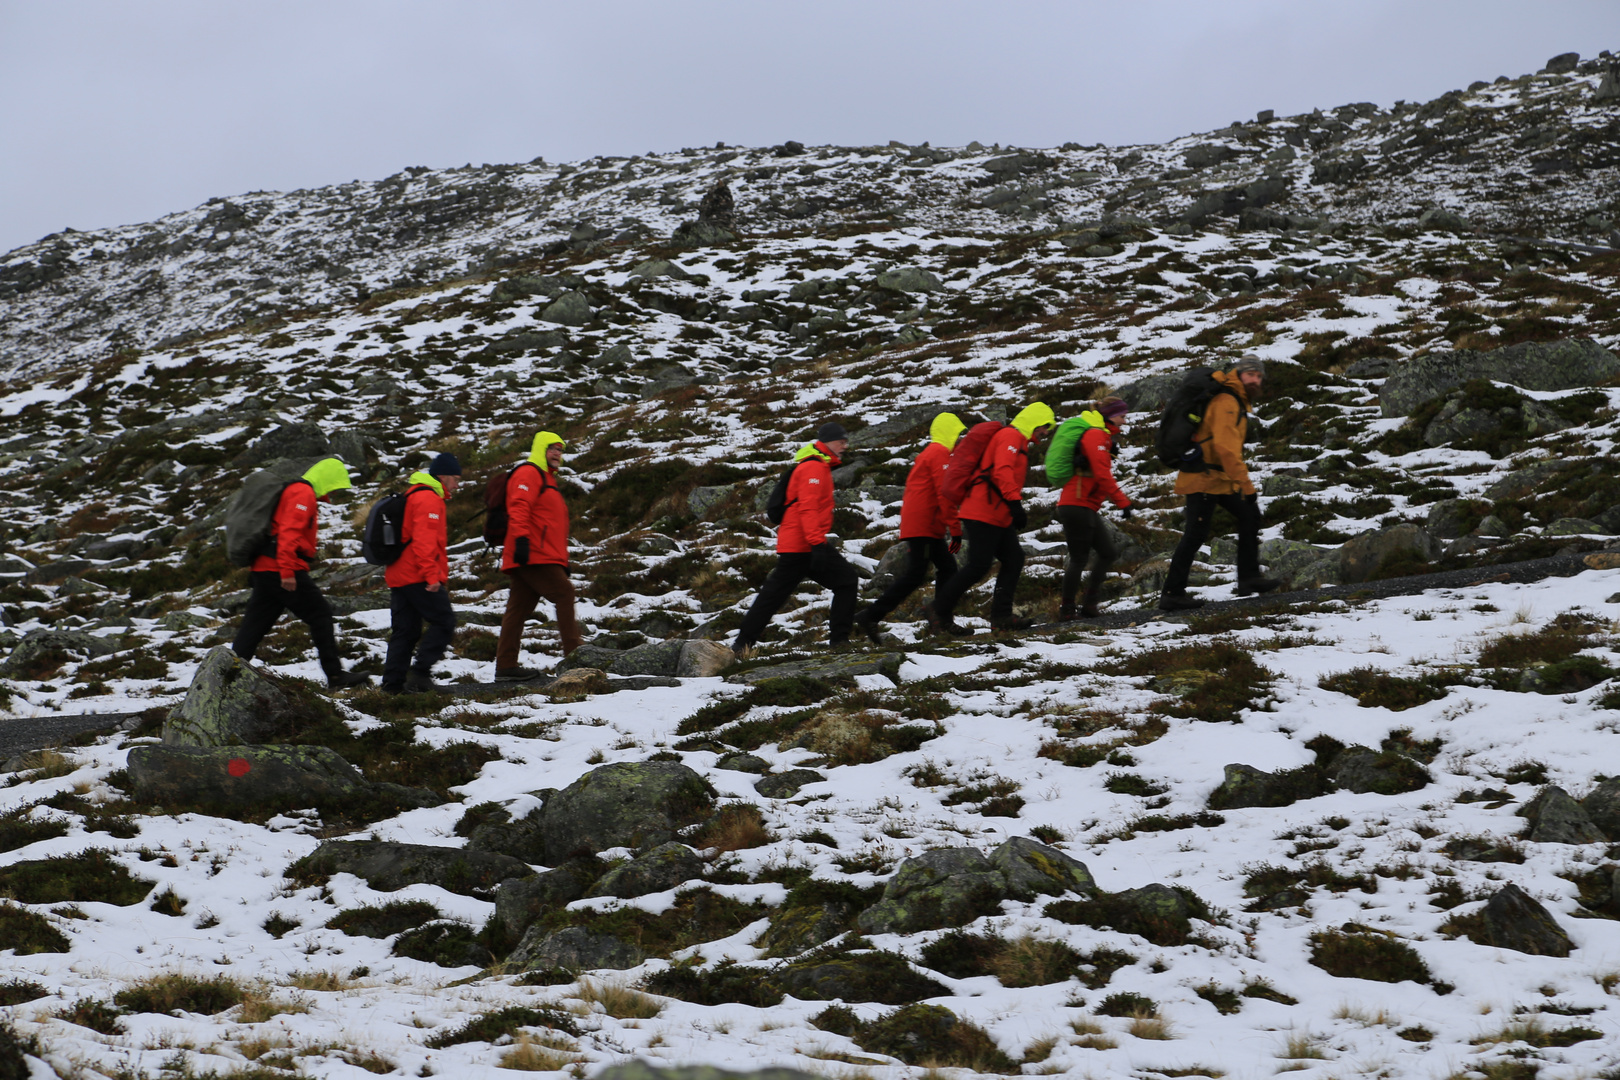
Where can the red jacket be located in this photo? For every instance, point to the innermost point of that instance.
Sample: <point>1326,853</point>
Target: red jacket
<point>1007,458</point>
<point>293,528</point>
<point>537,512</point>
<point>922,513</point>
<point>810,501</point>
<point>1089,491</point>
<point>424,560</point>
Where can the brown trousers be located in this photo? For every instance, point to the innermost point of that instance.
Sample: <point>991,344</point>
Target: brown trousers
<point>529,585</point>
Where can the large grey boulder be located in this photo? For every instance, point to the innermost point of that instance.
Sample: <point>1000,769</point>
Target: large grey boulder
<point>629,804</point>
<point>1602,806</point>
<point>388,866</point>
<point>1300,565</point>
<point>785,785</point>
<point>1442,220</point>
<point>43,649</point>
<point>591,656</point>
<point>1032,868</point>
<point>230,701</point>
<point>1527,481</point>
<point>664,867</point>
<point>1361,556</point>
<point>653,658</point>
<point>519,902</point>
<point>939,888</point>
<point>1450,519</point>
<point>1556,818</point>
<point>1244,785</point>
<point>1152,393</point>
<point>667,377</point>
<point>832,668</point>
<point>657,268</point>
<point>701,659</point>
<point>1533,365</point>
<point>257,780</point>
<point>569,309</point>
<point>1377,772</point>
<point>572,948</point>
<point>701,500</point>
<point>909,279</point>
<point>1203,156</point>
<point>1512,919</point>
<point>303,440</point>
<point>882,977</point>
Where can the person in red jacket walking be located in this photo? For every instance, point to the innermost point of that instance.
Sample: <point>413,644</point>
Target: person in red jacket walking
<point>993,515</point>
<point>1083,528</point>
<point>535,555</point>
<point>929,527</point>
<point>419,582</point>
<point>280,579</point>
<point>802,549</point>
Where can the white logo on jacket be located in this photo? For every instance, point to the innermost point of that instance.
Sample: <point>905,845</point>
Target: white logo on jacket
<point>812,480</point>
<point>523,487</point>
<point>301,506</point>
<point>433,517</point>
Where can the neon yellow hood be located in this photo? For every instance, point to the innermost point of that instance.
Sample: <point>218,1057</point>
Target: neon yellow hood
<point>326,476</point>
<point>809,450</point>
<point>427,479</point>
<point>537,453</point>
<point>945,430</point>
<point>1093,419</point>
<point>1034,416</point>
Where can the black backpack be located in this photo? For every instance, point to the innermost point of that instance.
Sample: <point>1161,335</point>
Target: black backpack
<point>1178,447</point>
<point>777,503</point>
<point>496,518</point>
<point>380,543</point>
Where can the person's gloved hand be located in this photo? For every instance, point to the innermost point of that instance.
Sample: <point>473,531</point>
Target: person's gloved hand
<point>1125,512</point>
<point>520,551</point>
<point>956,544</point>
<point>1020,517</point>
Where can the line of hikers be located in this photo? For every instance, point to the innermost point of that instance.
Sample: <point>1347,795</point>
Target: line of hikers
<point>966,483</point>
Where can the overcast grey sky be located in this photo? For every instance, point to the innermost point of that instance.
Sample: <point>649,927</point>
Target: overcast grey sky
<point>117,112</point>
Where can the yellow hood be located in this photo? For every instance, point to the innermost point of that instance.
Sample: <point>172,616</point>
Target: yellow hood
<point>945,430</point>
<point>1091,418</point>
<point>1033,417</point>
<point>537,453</point>
<point>326,476</point>
<point>810,450</point>
<point>427,479</point>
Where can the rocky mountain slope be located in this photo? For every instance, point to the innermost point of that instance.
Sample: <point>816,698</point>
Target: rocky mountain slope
<point>1434,289</point>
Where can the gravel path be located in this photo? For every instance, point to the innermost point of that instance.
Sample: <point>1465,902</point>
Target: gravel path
<point>24,733</point>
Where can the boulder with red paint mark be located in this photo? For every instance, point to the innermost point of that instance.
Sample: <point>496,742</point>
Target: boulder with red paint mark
<point>256,781</point>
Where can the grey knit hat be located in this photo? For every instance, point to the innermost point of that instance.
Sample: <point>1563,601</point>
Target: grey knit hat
<point>1249,362</point>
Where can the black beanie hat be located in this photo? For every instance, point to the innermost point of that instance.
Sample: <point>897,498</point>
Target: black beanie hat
<point>831,431</point>
<point>444,465</point>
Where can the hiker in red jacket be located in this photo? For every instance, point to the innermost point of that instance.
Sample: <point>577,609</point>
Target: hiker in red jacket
<point>1083,528</point>
<point>992,517</point>
<point>419,582</point>
<point>802,548</point>
<point>929,527</point>
<point>281,581</point>
<point>535,555</point>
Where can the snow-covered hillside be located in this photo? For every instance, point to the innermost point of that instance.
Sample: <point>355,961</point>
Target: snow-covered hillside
<point>1334,914</point>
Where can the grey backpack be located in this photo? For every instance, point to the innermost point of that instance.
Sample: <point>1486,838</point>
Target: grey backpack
<point>252,510</point>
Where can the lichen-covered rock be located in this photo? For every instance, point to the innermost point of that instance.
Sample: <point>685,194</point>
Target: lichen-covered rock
<point>1602,806</point>
<point>882,977</point>
<point>653,658</point>
<point>521,901</point>
<point>944,887</point>
<point>1361,556</point>
<point>577,682</point>
<point>795,929</point>
<point>664,867</point>
<point>229,780</point>
<point>740,762</point>
<point>39,646</point>
<point>572,948</point>
<point>1378,772</point>
<point>590,656</point>
<point>629,804</point>
<point>387,866</point>
<point>1514,920</point>
<point>230,701</point>
<point>701,659</point>
<point>1245,785</point>
<point>909,279</point>
<point>1556,818</point>
<point>1533,365</point>
<point>1031,868</point>
<point>569,309</point>
<point>837,667</point>
<point>785,785</point>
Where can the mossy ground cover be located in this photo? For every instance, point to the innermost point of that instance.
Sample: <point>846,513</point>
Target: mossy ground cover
<point>28,932</point>
<point>1017,962</point>
<point>171,991</point>
<point>501,1023</point>
<point>697,916</point>
<point>929,1036</point>
<point>90,876</point>
<point>1373,688</point>
<point>1357,952</point>
<point>1228,681</point>
<point>1160,923</point>
<point>384,920</point>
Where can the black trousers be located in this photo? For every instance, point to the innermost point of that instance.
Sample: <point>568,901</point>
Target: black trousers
<point>306,602</point>
<point>986,545</point>
<point>1200,512</point>
<point>409,607</point>
<point>824,566</point>
<point>922,551</point>
<point>1086,534</point>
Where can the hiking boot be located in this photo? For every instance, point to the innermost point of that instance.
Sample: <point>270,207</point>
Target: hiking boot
<point>870,628</point>
<point>936,621</point>
<point>343,680</point>
<point>515,674</point>
<point>1011,622</point>
<point>1179,601</point>
<point>421,682</point>
<point>1257,585</point>
<point>1068,613</point>
<point>1088,605</point>
<point>956,629</point>
<point>393,688</point>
